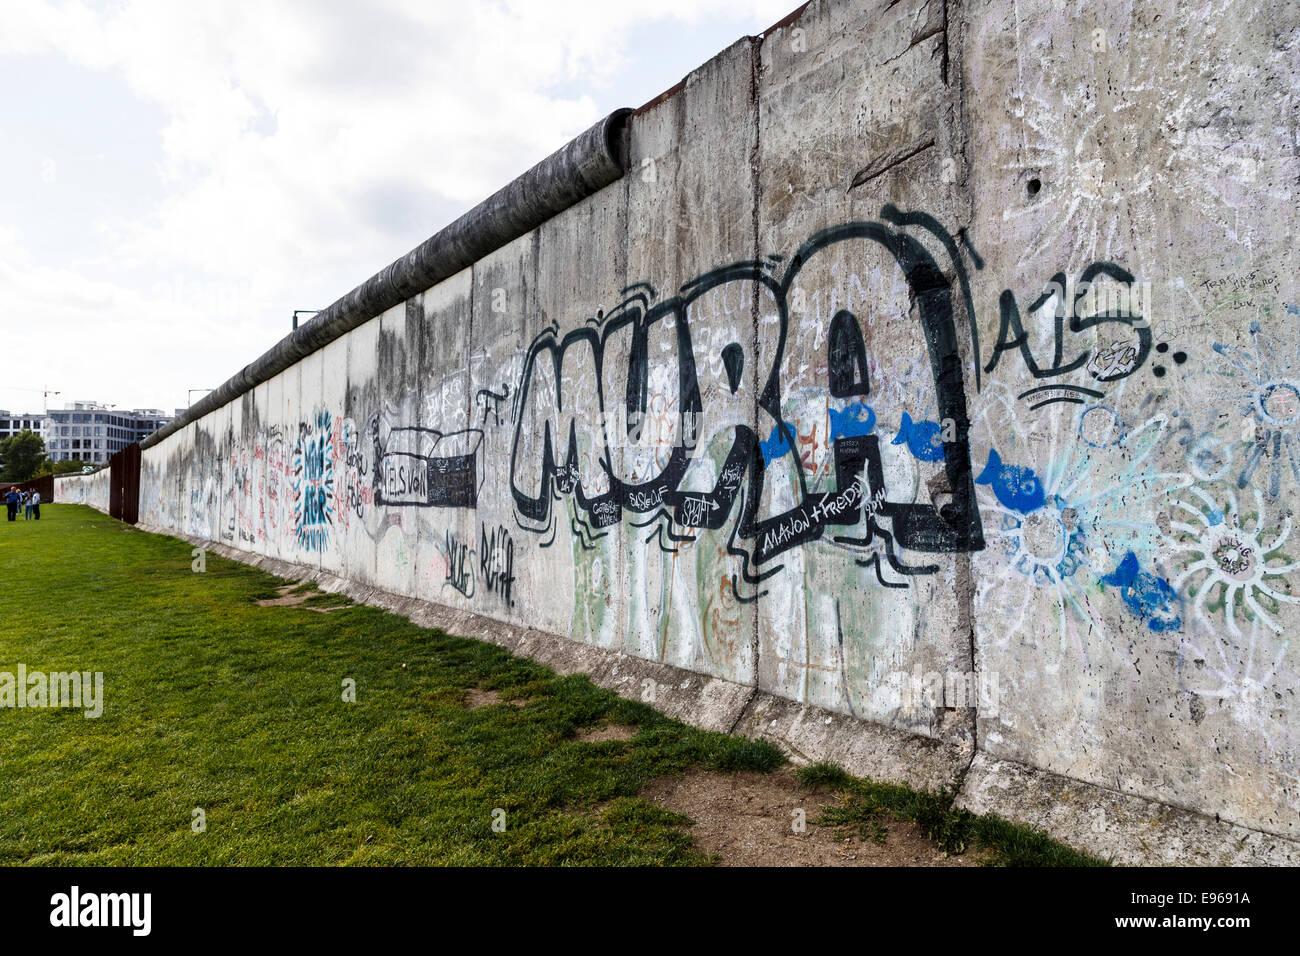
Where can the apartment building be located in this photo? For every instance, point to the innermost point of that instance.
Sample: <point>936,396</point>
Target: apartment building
<point>93,432</point>
<point>12,423</point>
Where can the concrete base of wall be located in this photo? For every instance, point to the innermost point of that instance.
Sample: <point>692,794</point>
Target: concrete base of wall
<point>1119,827</point>
<point>1123,828</point>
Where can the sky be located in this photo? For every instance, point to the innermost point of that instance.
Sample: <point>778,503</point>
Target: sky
<point>177,178</point>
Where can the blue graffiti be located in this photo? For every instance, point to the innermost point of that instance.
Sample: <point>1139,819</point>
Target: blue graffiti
<point>776,445</point>
<point>1111,433</point>
<point>924,439</point>
<point>1148,597</point>
<point>855,419</point>
<point>313,484</point>
<point>1016,486</point>
<point>1038,562</point>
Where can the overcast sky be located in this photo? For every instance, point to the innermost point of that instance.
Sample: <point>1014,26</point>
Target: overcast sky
<point>177,177</point>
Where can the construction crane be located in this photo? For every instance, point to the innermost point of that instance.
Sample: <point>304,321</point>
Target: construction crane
<point>45,394</point>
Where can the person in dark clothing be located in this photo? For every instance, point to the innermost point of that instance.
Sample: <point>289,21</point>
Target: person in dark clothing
<point>11,500</point>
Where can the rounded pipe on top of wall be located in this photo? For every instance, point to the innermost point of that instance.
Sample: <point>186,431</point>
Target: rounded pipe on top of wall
<point>586,164</point>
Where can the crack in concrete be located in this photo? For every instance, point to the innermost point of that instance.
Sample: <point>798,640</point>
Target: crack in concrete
<point>887,161</point>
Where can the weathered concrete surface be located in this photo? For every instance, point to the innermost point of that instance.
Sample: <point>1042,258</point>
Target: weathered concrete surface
<point>812,734</point>
<point>840,86</point>
<point>1140,618</point>
<point>690,197</point>
<point>89,489</point>
<point>934,366</point>
<point>1119,827</point>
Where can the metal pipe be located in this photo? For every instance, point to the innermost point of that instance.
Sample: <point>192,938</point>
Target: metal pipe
<point>585,165</point>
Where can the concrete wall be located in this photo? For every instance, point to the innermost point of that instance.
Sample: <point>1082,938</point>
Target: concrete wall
<point>964,342</point>
<point>79,489</point>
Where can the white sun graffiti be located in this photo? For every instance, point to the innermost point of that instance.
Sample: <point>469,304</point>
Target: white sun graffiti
<point>1234,680</point>
<point>1094,502</point>
<point>1043,550</point>
<point>1268,376</point>
<point>1225,560</point>
<point>1066,134</point>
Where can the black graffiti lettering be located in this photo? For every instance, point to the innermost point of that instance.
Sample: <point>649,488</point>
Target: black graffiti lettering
<point>1138,322</point>
<point>423,467</point>
<point>460,572</point>
<point>918,526</point>
<point>847,357</point>
<point>710,509</point>
<point>487,398</point>
<point>567,384</point>
<point>1111,367</point>
<point>497,561</point>
<point>570,425</point>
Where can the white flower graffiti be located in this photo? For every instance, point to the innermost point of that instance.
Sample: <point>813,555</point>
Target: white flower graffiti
<point>1268,376</point>
<point>1232,563</point>
<point>1233,680</point>
<point>1074,526</point>
<point>1178,161</point>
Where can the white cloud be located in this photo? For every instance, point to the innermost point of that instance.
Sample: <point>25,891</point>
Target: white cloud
<point>302,146</point>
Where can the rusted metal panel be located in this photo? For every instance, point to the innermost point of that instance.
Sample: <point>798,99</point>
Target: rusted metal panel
<point>124,484</point>
<point>43,485</point>
<point>130,483</point>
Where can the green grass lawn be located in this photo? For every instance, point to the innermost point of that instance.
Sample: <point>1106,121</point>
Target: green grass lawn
<point>212,702</point>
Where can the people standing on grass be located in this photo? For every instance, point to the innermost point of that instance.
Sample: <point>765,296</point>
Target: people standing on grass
<point>27,505</point>
<point>11,501</point>
<point>35,500</point>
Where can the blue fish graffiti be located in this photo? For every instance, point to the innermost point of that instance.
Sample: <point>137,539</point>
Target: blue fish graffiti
<point>1015,486</point>
<point>923,439</point>
<point>777,444</point>
<point>1149,598</point>
<point>855,419</point>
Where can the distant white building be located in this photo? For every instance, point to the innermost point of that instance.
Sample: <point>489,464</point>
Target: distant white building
<point>12,424</point>
<point>93,432</point>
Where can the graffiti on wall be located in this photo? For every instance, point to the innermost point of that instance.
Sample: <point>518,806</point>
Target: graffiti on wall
<point>768,420</point>
<point>313,483</point>
<point>653,416</point>
<point>588,394</point>
<point>422,467</point>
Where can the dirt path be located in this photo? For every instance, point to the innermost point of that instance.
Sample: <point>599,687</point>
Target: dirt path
<point>748,819</point>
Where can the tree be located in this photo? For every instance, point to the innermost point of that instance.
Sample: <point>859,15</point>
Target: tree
<point>22,455</point>
<point>64,467</point>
